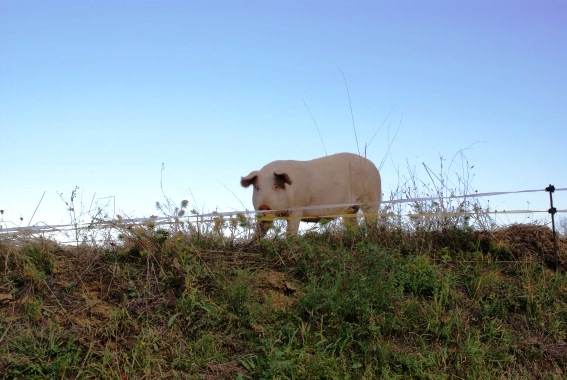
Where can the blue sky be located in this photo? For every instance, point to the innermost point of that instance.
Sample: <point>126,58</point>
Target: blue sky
<point>100,94</point>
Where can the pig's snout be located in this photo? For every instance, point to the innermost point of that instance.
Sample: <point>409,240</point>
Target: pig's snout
<point>266,213</point>
<point>269,212</point>
<point>264,207</point>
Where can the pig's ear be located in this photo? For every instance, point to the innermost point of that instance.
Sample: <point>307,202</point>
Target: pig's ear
<point>249,179</point>
<point>282,176</point>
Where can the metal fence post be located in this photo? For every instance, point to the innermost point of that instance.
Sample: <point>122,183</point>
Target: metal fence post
<point>552,210</point>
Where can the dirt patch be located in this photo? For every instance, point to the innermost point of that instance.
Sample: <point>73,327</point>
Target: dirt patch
<point>279,288</point>
<point>5,298</point>
<point>229,370</point>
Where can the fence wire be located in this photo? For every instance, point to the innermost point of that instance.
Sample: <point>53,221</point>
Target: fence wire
<point>235,218</point>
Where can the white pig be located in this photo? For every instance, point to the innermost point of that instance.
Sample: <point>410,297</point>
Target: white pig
<point>290,188</point>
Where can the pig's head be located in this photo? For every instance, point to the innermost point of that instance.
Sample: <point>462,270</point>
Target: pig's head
<point>271,190</point>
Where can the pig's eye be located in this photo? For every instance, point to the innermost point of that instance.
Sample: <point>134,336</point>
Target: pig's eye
<point>256,187</point>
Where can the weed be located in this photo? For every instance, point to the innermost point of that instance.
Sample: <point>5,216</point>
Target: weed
<point>47,353</point>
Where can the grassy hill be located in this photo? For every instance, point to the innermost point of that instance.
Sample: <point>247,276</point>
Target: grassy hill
<point>457,304</point>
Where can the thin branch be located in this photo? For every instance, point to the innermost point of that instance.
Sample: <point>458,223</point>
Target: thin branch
<point>351,112</point>
<point>316,126</point>
<point>29,223</point>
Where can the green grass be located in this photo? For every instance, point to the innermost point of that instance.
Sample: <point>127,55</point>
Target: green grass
<point>387,304</point>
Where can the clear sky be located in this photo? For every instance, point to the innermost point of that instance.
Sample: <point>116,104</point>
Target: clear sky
<point>99,94</point>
